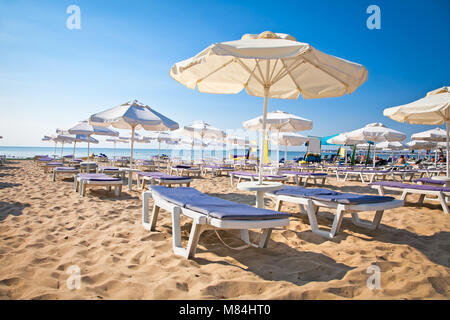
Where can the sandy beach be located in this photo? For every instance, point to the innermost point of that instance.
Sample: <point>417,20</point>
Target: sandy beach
<point>45,228</point>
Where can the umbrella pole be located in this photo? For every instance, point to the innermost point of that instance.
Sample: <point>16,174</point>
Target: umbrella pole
<point>159,149</point>
<point>74,145</point>
<point>114,151</point>
<point>448,142</point>
<point>263,145</point>
<point>62,149</point>
<point>132,146</point>
<point>278,148</point>
<point>89,140</point>
<point>54,152</point>
<point>285,152</point>
<point>374,152</point>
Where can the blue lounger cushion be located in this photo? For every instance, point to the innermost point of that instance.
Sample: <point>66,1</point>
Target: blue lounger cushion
<point>330,195</point>
<point>193,199</point>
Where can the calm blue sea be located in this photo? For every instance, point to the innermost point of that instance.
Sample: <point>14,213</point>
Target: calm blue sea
<point>29,152</point>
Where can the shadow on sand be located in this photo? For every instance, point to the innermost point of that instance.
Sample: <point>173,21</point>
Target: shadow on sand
<point>11,208</point>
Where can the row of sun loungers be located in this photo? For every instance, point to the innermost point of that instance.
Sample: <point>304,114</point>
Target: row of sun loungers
<point>209,212</point>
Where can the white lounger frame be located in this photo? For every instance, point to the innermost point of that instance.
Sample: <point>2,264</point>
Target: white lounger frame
<point>82,184</point>
<point>298,178</point>
<point>141,181</point>
<point>370,176</point>
<point>186,172</point>
<point>216,171</point>
<point>64,172</point>
<point>200,223</point>
<point>255,178</point>
<point>311,208</point>
<point>423,193</point>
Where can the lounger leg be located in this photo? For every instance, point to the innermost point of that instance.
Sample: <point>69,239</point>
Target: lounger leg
<point>265,237</point>
<point>196,231</point>
<point>245,235</point>
<point>82,188</point>
<point>421,198</point>
<point>444,205</point>
<point>311,210</point>
<point>404,194</point>
<point>116,191</point>
<point>365,224</point>
<point>337,221</point>
<point>231,179</point>
<point>278,205</point>
<point>145,198</point>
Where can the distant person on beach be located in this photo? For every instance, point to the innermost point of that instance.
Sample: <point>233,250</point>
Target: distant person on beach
<point>401,160</point>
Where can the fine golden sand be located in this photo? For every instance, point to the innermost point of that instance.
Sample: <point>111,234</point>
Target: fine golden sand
<point>45,228</point>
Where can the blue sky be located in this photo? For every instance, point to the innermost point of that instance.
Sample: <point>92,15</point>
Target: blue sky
<point>52,77</point>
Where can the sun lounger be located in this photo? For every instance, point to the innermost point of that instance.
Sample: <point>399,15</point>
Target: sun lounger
<point>311,199</point>
<point>217,170</point>
<point>252,176</point>
<point>364,175</point>
<point>161,178</point>
<point>304,177</point>
<point>429,181</point>
<point>51,164</point>
<point>409,188</point>
<point>207,212</point>
<point>149,165</point>
<point>405,175</point>
<point>71,171</point>
<point>111,171</point>
<point>88,166</point>
<point>84,180</point>
<point>185,170</point>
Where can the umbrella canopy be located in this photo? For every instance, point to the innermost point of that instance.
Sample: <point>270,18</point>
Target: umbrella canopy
<point>269,65</point>
<point>240,141</point>
<point>279,121</point>
<point>288,139</point>
<point>133,115</point>
<point>85,129</point>
<point>436,135</point>
<point>343,139</point>
<point>421,145</point>
<point>202,130</point>
<point>161,137</point>
<point>433,109</point>
<point>392,145</point>
<point>61,138</point>
<point>376,132</point>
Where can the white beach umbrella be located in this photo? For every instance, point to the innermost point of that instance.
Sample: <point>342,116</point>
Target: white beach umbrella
<point>376,132</point>
<point>421,145</point>
<point>63,139</point>
<point>279,121</point>
<point>82,138</point>
<point>163,137</point>
<point>202,130</point>
<point>269,65</point>
<point>135,116</point>
<point>433,109</point>
<point>240,141</point>
<point>288,139</point>
<point>343,139</point>
<point>435,135</point>
<point>50,138</point>
<point>115,141</point>
<point>392,145</point>
<point>86,129</point>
